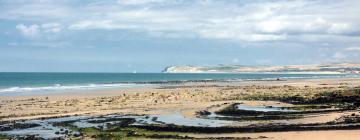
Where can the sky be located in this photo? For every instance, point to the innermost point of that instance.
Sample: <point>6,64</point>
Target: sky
<point>149,35</point>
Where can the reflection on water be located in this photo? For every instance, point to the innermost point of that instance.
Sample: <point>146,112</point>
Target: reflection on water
<point>179,119</point>
<point>264,108</point>
<point>47,128</point>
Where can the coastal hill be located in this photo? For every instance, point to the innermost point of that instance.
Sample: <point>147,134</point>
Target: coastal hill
<point>315,68</point>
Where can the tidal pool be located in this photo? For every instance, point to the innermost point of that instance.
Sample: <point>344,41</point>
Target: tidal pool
<point>264,108</point>
<point>179,119</point>
<point>48,129</point>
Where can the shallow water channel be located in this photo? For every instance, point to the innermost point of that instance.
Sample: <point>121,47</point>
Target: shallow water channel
<point>47,128</point>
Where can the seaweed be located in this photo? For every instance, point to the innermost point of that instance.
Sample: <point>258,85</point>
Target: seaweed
<point>123,120</point>
<point>67,124</point>
<point>4,137</point>
<point>130,133</point>
<point>259,117</point>
<point>232,110</point>
<point>18,126</point>
<point>351,96</point>
<point>251,128</point>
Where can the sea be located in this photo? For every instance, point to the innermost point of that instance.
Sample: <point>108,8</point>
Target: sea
<point>13,83</point>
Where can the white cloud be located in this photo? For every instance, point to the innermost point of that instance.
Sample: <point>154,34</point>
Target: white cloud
<point>51,27</point>
<point>268,21</point>
<point>281,20</point>
<point>140,2</point>
<point>320,25</point>
<point>102,24</point>
<point>235,35</point>
<point>288,25</point>
<point>353,49</point>
<point>272,26</point>
<point>31,31</point>
<point>35,31</point>
<point>35,10</point>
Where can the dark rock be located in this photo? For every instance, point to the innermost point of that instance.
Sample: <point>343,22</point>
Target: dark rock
<point>131,133</point>
<point>24,125</point>
<point>154,118</point>
<point>204,113</point>
<point>30,137</point>
<point>5,128</point>
<point>66,132</point>
<point>77,134</point>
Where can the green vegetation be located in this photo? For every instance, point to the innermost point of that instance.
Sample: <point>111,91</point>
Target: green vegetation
<point>321,102</point>
<point>321,97</point>
<point>123,121</point>
<point>120,130</point>
<point>129,133</point>
<point>67,124</point>
<point>4,137</point>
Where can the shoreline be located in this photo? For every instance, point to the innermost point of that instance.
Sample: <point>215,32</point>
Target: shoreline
<point>62,87</point>
<point>187,100</point>
<point>155,84</point>
<point>93,94</point>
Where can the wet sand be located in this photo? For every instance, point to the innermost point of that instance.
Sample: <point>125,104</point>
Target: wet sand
<point>295,135</point>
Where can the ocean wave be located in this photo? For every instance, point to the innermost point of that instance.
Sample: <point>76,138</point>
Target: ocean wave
<point>58,87</point>
<point>61,87</point>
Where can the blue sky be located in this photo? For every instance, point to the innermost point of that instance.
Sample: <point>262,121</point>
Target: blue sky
<point>148,35</point>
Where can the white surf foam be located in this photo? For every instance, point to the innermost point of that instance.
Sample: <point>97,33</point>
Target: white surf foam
<point>59,87</point>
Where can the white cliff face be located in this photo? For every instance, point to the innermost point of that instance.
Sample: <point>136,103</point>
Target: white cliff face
<point>329,68</point>
<point>183,69</point>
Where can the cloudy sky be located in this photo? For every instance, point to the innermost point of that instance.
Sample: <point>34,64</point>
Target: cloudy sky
<point>148,35</point>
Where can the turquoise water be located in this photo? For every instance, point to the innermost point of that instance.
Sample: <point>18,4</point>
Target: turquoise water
<point>25,82</point>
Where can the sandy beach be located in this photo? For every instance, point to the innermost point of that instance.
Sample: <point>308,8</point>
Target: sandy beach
<point>187,99</point>
<point>179,70</point>
<point>145,100</point>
